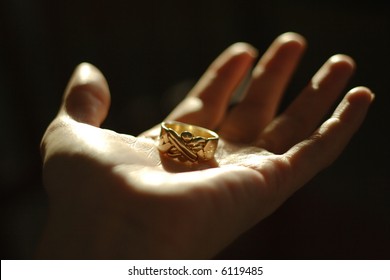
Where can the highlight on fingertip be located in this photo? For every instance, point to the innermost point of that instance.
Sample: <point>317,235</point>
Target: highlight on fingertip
<point>360,93</point>
<point>292,37</point>
<point>243,47</point>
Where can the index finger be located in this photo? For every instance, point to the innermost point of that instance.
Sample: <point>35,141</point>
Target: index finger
<point>206,104</point>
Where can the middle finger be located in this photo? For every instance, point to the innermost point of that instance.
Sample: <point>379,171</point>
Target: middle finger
<point>269,79</point>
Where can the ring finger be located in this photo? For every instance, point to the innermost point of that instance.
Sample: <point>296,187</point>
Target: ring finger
<point>303,116</point>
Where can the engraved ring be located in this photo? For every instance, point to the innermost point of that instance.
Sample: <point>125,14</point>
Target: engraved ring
<point>187,143</point>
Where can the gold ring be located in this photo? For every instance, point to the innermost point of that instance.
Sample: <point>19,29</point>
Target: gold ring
<point>187,143</point>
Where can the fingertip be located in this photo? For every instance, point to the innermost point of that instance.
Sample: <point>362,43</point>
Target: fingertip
<point>354,106</point>
<point>292,35</point>
<point>243,48</point>
<point>284,52</point>
<point>342,62</point>
<point>87,72</point>
<point>335,71</point>
<point>87,96</point>
<point>239,53</point>
<point>360,94</point>
<point>237,56</point>
<point>342,58</point>
<point>292,38</point>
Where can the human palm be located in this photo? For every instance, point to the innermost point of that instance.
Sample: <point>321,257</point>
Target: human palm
<point>113,196</point>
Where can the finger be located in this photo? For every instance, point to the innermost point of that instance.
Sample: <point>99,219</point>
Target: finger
<point>302,117</point>
<point>269,80</point>
<point>317,152</point>
<point>87,96</point>
<point>207,102</point>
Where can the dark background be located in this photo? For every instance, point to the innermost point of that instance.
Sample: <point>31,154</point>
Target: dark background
<point>152,52</point>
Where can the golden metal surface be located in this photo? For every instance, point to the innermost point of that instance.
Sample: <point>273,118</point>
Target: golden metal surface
<point>187,143</point>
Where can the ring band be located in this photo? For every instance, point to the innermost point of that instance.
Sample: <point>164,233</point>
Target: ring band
<point>186,142</point>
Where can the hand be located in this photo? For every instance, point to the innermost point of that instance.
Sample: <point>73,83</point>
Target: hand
<point>110,196</point>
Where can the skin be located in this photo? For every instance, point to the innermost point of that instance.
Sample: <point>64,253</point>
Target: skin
<point>114,196</point>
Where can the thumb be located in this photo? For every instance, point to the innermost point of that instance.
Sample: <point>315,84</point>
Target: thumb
<point>87,96</point>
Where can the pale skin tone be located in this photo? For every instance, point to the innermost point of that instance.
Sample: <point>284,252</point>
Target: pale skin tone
<point>110,196</point>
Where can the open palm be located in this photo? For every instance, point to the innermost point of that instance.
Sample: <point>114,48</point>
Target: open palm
<point>111,197</point>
